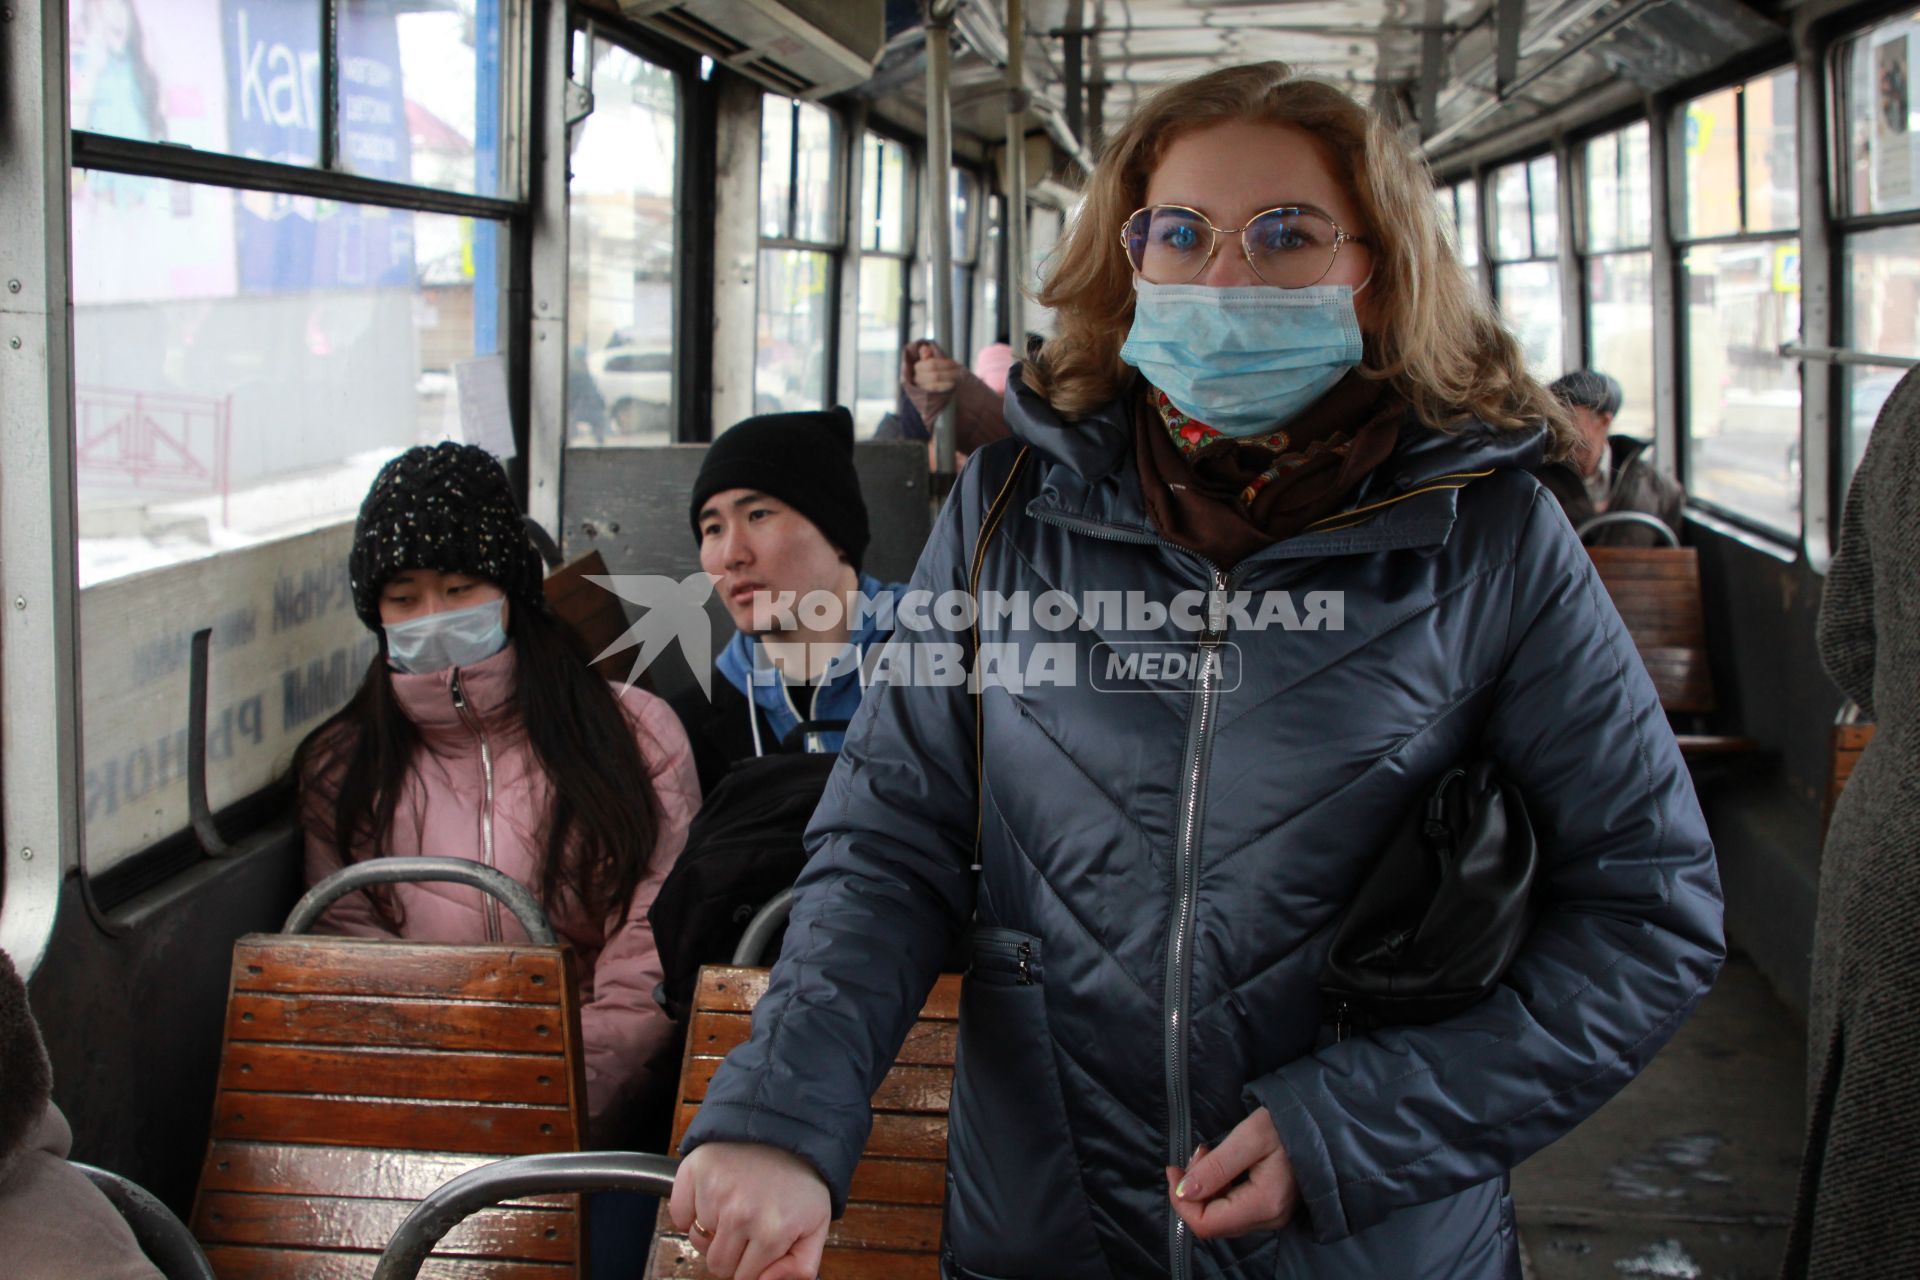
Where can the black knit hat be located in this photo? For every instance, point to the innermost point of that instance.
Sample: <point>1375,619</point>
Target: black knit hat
<point>803,459</point>
<point>446,507</point>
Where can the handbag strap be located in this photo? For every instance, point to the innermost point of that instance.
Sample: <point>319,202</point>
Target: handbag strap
<point>996,511</point>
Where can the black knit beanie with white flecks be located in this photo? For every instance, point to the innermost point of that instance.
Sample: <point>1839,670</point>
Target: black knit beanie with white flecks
<point>446,507</point>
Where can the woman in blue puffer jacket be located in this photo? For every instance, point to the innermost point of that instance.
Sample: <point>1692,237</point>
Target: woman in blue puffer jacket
<point>1280,429</point>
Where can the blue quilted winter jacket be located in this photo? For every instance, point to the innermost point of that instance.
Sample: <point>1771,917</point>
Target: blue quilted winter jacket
<point>1165,853</point>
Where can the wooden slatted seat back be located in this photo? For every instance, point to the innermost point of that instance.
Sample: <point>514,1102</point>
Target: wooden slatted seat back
<point>1849,740</point>
<point>358,1075</point>
<point>1657,591</point>
<point>891,1230</point>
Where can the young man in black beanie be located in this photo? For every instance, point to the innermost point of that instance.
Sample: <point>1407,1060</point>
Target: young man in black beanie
<point>777,515</point>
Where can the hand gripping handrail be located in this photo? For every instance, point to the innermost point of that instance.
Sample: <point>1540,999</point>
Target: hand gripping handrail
<point>1654,523</point>
<point>360,875</point>
<point>767,924</point>
<point>447,1206</point>
<point>159,1233</point>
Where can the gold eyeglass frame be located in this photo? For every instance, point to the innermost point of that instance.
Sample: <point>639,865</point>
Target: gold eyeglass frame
<point>1340,236</point>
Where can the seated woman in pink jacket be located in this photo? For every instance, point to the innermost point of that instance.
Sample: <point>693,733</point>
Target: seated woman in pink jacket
<point>479,732</point>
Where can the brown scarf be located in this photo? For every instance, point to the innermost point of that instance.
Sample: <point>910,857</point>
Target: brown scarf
<point>1230,497</point>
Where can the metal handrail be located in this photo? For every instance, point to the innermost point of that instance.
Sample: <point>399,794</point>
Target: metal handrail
<point>1846,355</point>
<point>349,879</point>
<point>159,1233</point>
<point>447,1206</point>
<point>1655,523</point>
<point>199,811</point>
<point>767,924</point>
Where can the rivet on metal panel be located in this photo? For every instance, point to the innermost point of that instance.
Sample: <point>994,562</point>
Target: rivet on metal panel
<point>13,286</point>
<point>19,602</point>
<point>26,855</point>
<point>14,343</point>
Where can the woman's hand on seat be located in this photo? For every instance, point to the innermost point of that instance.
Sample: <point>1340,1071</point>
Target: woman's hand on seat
<point>1211,1201</point>
<point>766,1209</point>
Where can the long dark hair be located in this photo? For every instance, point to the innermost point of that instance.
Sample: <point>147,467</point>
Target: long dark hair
<point>602,819</point>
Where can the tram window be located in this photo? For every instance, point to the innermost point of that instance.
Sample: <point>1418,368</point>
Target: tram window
<point>799,255</point>
<point>418,88</point>
<point>1882,164</point>
<point>989,327</point>
<point>1526,273</point>
<point>886,207</point>
<point>1617,172</point>
<point>1742,291</point>
<point>437,122</point>
<point>243,365</point>
<point>620,272</point>
<point>1881,175</point>
<point>966,251</point>
<point>1044,224</point>
<point>171,71</point>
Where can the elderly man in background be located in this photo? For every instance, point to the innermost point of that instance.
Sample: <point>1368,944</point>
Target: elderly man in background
<point>1610,472</point>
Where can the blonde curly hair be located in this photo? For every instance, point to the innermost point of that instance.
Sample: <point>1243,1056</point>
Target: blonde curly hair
<point>1439,345</point>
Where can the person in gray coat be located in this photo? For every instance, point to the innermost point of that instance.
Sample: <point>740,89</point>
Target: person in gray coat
<point>1283,564</point>
<point>1860,1176</point>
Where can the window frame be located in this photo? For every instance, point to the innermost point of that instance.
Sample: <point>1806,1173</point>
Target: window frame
<point>693,172</point>
<point>1845,224</point>
<point>913,171</point>
<point>841,213</point>
<point>1672,218</point>
<point>1583,255</point>
<point>512,212</point>
<point>1492,262</point>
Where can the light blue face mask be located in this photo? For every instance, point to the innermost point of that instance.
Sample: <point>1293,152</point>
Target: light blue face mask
<point>1244,361</point>
<point>452,638</point>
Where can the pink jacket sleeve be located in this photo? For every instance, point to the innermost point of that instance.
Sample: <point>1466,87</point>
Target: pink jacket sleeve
<point>623,1026</point>
<point>352,915</point>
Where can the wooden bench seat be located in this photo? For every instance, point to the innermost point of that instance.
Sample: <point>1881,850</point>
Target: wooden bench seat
<point>357,1076</point>
<point>1850,738</point>
<point>1657,592</point>
<point>891,1230</point>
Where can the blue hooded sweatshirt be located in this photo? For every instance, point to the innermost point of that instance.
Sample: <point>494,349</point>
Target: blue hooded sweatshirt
<point>745,664</point>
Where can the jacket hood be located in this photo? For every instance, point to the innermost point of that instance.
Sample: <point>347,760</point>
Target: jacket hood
<point>1099,444</point>
<point>26,1080</point>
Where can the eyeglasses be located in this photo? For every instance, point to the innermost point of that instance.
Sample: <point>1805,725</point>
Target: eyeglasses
<point>1289,248</point>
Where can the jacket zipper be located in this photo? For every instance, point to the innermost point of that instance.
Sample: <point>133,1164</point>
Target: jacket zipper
<point>490,905</point>
<point>1180,942</point>
<point>1186,868</point>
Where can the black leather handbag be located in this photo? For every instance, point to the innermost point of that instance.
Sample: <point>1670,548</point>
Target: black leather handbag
<point>1444,911</point>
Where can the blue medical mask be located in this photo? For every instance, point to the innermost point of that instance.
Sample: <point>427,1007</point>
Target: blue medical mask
<point>1244,361</point>
<point>451,638</point>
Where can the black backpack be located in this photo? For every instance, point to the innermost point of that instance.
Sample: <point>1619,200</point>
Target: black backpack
<point>743,848</point>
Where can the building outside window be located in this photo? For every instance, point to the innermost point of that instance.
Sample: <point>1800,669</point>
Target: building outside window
<point>1740,270</point>
<point>1617,264</point>
<point>1526,272</point>
<point>1880,179</point>
<point>801,239</point>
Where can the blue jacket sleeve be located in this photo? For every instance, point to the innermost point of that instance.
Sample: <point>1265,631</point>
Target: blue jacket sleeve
<point>887,888</point>
<point>1628,938</point>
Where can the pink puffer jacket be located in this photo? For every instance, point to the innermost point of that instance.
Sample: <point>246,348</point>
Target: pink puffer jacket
<point>452,808</point>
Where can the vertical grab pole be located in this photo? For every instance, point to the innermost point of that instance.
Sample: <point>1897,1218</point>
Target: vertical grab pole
<point>1017,177</point>
<point>939,211</point>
